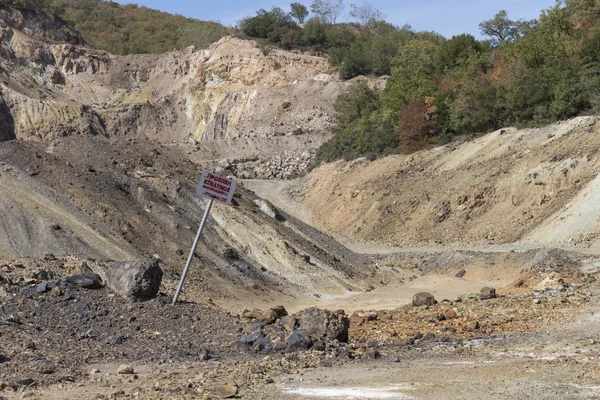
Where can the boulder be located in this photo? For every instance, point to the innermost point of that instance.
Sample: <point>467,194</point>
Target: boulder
<point>299,340</point>
<point>323,324</point>
<point>423,299</point>
<point>135,280</point>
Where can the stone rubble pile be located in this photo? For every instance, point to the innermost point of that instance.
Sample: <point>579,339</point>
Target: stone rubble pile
<point>312,329</point>
<point>288,165</point>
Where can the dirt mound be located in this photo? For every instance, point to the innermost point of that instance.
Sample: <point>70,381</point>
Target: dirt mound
<point>534,186</point>
<point>122,199</point>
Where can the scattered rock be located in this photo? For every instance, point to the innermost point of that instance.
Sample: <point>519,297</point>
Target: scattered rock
<point>423,299</point>
<point>226,391</point>
<point>357,319</point>
<point>115,339</point>
<point>135,280</point>
<point>27,382</point>
<point>86,281</point>
<point>461,273</point>
<point>267,208</point>
<point>56,291</point>
<point>299,340</point>
<point>472,326</point>
<point>552,281</point>
<point>41,288</point>
<point>125,369</point>
<point>374,355</point>
<point>289,323</point>
<point>443,213</point>
<point>450,314</point>
<point>487,293</point>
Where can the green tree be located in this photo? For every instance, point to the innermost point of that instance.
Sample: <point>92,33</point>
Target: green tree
<point>412,74</point>
<point>328,11</point>
<point>365,13</point>
<point>124,29</point>
<point>455,51</point>
<point>299,11</point>
<point>361,128</point>
<point>272,24</point>
<point>501,28</point>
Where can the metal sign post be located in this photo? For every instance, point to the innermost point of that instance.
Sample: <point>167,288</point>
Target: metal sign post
<point>215,188</point>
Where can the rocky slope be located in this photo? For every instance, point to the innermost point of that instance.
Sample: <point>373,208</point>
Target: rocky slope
<point>246,103</point>
<point>120,199</point>
<point>534,187</point>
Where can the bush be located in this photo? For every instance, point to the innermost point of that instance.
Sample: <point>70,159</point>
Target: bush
<point>361,129</point>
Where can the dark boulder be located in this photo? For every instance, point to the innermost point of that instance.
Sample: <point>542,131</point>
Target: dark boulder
<point>299,340</point>
<point>135,280</point>
<point>323,324</point>
<point>423,299</point>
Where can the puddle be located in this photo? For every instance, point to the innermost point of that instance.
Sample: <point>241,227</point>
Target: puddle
<point>392,392</point>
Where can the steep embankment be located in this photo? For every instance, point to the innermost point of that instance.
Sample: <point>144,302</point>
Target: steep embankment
<point>253,106</point>
<point>536,187</point>
<point>119,199</point>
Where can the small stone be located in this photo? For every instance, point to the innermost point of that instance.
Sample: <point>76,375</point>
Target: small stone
<point>450,314</point>
<point>86,281</point>
<point>30,345</point>
<point>460,273</point>
<point>472,326</point>
<point>226,391</point>
<point>41,288</point>
<point>423,299</point>
<point>25,382</point>
<point>125,369</point>
<point>47,369</point>
<point>289,323</point>
<point>356,319</point>
<point>115,339</point>
<point>56,291</point>
<point>487,293</point>
<point>448,329</point>
<point>374,355</point>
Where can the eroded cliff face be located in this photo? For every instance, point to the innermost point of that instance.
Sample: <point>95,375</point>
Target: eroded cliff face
<point>7,128</point>
<point>230,98</point>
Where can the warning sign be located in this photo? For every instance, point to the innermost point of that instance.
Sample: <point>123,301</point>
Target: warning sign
<point>216,188</point>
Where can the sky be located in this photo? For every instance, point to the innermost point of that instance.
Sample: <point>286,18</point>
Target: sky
<point>447,17</point>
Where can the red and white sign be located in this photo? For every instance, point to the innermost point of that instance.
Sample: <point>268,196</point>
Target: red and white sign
<point>217,188</point>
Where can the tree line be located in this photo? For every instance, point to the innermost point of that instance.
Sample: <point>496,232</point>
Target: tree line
<point>128,29</point>
<point>526,73</point>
